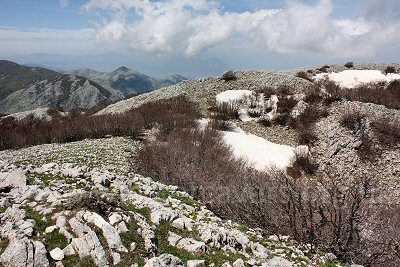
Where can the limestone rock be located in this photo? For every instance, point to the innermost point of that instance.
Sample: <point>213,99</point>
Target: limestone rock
<point>164,260</point>
<point>57,254</point>
<point>14,179</point>
<point>195,263</point>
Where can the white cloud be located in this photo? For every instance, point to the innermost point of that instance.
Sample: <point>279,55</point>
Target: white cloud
<point>191,26</point>
<point>63,3</point>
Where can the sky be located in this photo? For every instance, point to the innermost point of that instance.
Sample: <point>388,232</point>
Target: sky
<point>198,37</point>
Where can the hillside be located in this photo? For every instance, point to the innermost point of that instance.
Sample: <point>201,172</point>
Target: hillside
<point>66,91</point>
<point>14,77</point>
<point>25,88</point>
<point>76,204</point>
<point>253,168</point>
<point>127,81</point>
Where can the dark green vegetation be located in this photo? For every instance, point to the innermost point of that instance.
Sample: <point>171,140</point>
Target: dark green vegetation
<point>14,77</point>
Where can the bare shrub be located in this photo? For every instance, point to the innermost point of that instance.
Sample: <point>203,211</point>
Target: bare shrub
<point>349,64</point>
<point>351,119</point>
<point>366,151</point>
<point>323,69</point>
<point>286,104</point>
<point>302,163</point>
<point>78,125</point>
<point>226,111</point>
<point>377,93</point>
<point>329,214</point>
<point>228,76</point>
<point>387,131</point>
<point>332,89</point>
<point>266,91</point>
<point>304,75</point>
<point>281,119</point>
<point>313,95</point>
<point>389,69</point>
<point>284,90</point>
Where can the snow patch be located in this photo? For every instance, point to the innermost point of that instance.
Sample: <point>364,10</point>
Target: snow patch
<point>230,96</point>
<point>353,78</point>
<point>259,152</point>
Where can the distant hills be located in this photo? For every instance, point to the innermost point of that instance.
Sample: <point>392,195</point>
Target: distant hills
<point>25,87</point>
<point>127,81</point>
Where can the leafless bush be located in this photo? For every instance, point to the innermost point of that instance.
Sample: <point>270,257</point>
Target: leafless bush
<point>329,214</point>
<point>349,64</point>
<point>266,91</point>
<point>323,69</point>
<point>387,131</point>
<point>377,93</point>
<point>313,95</point>
<point>352,119</point>
<point>228,76</point>
<point>304,75</point>
<point>286,104</point>
<point>226,111</point>
<point>78,125</point>
<point>389,69</point>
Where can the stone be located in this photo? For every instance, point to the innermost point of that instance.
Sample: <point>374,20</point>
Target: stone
<point>173,238</point>
<point>50,229</point>
<point>40,255</point>
<point>114,218</point>
<point>57,254</point>
<point>260,251</point>
<point>239,263</point>
<point>226,264</point>
<point>191,245</point>
<point>13,179</point>
<point>110,233</point>
<point>183,223</point>
<point>280,262</point>
<point>24,253</point>
<point>195,263</point>
<point>164,260</point>
<point>132,247</point>
<point>116,258</point>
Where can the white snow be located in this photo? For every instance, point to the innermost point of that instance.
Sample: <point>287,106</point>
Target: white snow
<point>232,96</point>
<point>352,78</point>
<point>259,152</point>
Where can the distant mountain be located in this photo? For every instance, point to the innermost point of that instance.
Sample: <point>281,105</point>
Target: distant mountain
<point>24,88</point>
<point>14,77</point>
<point>127,81</point>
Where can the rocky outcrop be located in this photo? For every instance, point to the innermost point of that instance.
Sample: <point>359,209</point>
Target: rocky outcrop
<point>133,217</point>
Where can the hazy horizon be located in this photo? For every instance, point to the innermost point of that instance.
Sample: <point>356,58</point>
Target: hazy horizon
<point>198,38</point>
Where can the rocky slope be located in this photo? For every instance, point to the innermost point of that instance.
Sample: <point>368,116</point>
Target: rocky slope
<point>66,91</point>
<point>25,88</point>
<point>126,81</point>
<point>76,205</point>
<point>204,90</point>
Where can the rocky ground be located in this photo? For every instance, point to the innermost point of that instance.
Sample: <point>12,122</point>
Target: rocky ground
<point>76,204</point>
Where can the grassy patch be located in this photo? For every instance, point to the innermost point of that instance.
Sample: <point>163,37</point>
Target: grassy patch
<point>75,261</point>
<point>334,263</point>
<point>3,244</point>
<point>55,240</point>
<point>40,225</point>
<point>219,257</point>
<point>162,234</point>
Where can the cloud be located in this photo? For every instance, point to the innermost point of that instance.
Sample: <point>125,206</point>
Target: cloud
<point>63,3</point>
<point>192,26</point>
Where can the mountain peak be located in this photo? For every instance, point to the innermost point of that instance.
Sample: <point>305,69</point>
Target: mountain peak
<point>123,69</point>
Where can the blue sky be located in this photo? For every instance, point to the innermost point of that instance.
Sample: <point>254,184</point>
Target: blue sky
<point>198,37</point>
